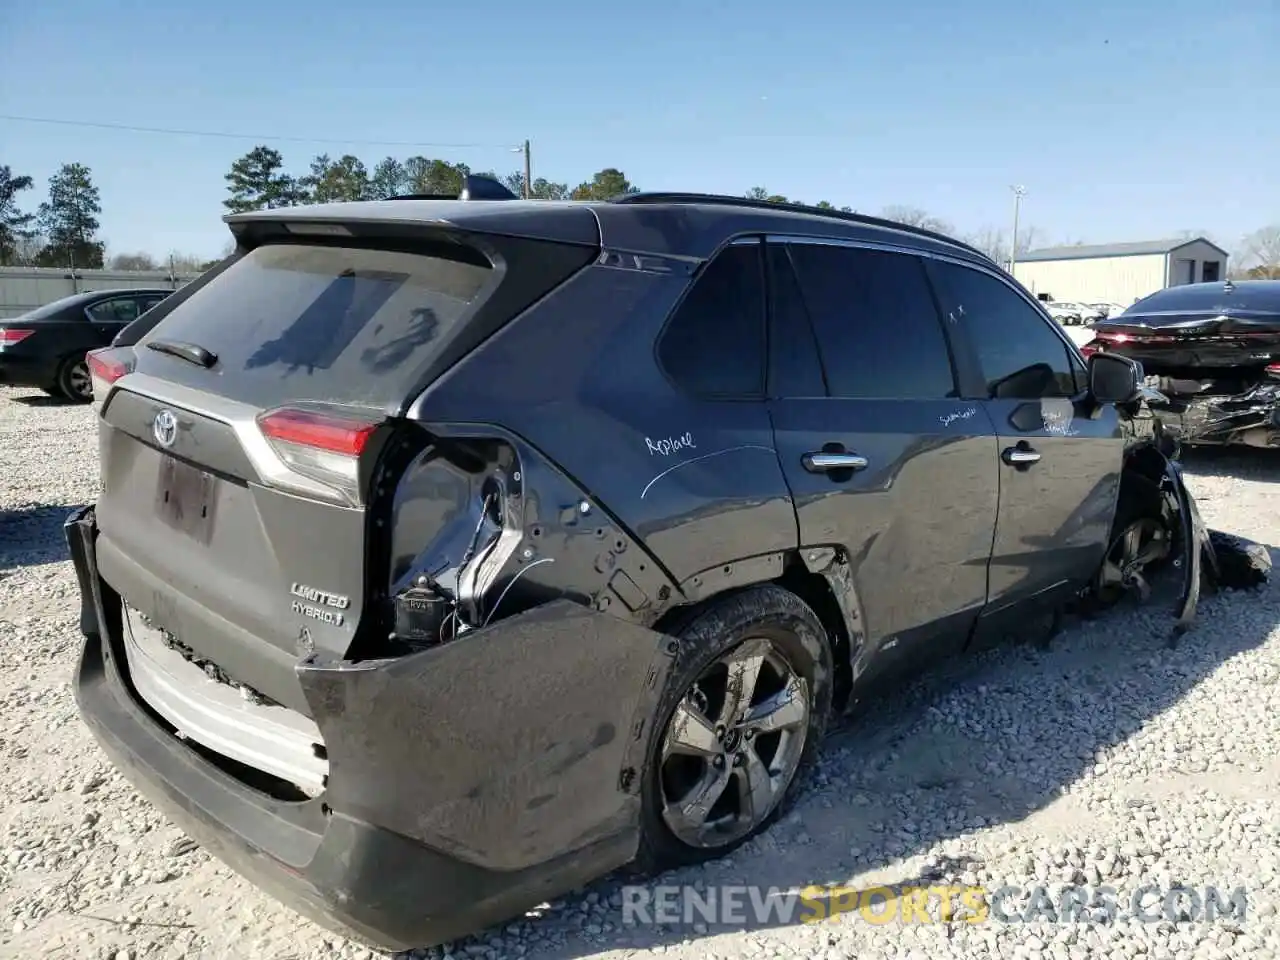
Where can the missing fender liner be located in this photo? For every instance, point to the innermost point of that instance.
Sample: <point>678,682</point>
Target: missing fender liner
<point>1201,559</point>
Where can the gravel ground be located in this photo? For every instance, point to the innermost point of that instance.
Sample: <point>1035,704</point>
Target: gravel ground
<point>1107,758</point>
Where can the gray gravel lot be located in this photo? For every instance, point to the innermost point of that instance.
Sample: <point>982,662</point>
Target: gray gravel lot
<point>1108,758</point>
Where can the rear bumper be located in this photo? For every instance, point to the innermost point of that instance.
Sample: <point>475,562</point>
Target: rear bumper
<point>1247,419</point>
<point>427,831</point>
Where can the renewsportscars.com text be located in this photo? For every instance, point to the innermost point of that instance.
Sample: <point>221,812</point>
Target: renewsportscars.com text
<point>728,905</point>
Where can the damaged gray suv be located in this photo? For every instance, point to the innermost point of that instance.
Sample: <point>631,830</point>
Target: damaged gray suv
<point>453,552</point>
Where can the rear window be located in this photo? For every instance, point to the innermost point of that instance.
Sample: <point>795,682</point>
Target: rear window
<point>56,307</point>
<point>1210,298</point>
<point>341,324</point>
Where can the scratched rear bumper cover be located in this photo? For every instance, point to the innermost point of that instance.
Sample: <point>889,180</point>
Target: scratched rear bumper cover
<point>467,783</point>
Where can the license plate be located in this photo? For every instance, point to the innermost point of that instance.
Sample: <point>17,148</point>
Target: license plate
<point>186,497</point>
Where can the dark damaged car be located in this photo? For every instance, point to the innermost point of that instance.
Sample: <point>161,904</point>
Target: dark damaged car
<point>453,553</point>
<point>1213,351</point>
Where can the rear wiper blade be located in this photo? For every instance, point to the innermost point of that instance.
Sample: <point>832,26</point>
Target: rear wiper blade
<point>191,352</point>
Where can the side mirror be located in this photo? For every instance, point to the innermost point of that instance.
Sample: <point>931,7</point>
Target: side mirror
<point>1113,378</point>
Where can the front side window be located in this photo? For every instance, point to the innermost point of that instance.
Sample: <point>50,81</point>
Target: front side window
<point>1020,355</point>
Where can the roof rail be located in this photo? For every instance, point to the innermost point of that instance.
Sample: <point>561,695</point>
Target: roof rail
<point>474,187</point>
<point>731,201</point>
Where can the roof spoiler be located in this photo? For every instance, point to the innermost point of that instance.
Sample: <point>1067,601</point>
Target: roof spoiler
<point>474,187</point>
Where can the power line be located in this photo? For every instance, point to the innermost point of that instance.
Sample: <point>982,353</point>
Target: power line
<point>261,138</point>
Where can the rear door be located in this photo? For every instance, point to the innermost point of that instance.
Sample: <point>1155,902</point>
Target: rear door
<point>1059,465</point>
<point>885,459</point>
<point>111,316</point>
<point>235,457</point>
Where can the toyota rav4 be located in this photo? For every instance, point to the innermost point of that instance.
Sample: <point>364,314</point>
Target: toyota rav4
<point>451,553</point>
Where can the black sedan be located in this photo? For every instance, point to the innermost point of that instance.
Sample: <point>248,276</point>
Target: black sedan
<point>45,348</point>
<point>1212,350</point>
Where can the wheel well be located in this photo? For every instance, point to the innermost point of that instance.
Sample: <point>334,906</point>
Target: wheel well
<point>814,590</point>
<point>1140,491</point>
<point>64,363</point>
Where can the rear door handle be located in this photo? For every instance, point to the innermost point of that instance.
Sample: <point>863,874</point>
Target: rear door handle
<point>1020,456</point>
<point>820,462</point>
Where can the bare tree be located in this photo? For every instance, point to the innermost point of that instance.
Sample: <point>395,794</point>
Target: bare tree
<point>27,249</point>
<point>132,261</point>
<point>994,242</point>
<point>184,262</point>
<point>915,217</point>
<point>991,241</point>
<point>1262,252</point>
<point>1030,238</point>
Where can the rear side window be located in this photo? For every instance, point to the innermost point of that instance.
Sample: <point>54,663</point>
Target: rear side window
<point>714,344</point>
<point>1020,355</point>
<point>341,324</point>
<point>876,322</point>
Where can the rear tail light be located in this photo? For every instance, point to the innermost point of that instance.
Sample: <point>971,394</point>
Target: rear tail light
<point>324,447</point>
<point>106,366</point>
<point>1273,370</point>
<point>1092,347</point>
<point>11,335</point>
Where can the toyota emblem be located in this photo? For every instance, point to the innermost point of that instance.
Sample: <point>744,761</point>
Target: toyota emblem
<point>165,428</point>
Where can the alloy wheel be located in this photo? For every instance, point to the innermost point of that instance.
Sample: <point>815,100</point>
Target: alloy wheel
<point>79,381</point>
<point>733,745</point>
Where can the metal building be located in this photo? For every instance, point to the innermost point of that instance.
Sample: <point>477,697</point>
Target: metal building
<point>1119,272</point>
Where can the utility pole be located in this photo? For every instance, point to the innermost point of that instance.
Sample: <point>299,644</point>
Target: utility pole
<point>528,177</point>
<point>1018,193</point>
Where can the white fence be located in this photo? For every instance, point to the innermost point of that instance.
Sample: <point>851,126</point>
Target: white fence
<point>25,288</point>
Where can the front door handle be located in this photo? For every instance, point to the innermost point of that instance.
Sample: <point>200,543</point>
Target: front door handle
<point>1020,456</point>
<point>823,462</point>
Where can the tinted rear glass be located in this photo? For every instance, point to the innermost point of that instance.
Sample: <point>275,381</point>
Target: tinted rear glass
<point>341,324</point>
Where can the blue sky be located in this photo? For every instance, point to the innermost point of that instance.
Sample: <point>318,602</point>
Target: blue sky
<point>1125,120</point>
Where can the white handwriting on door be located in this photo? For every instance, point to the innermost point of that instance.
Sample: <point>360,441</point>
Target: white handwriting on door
<point>1058,415</point>
<point>669,445</point>
<point>950,418</point>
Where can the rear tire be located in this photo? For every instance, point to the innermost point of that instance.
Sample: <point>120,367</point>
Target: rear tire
<point>74,381</point>
<point>739,722</point>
